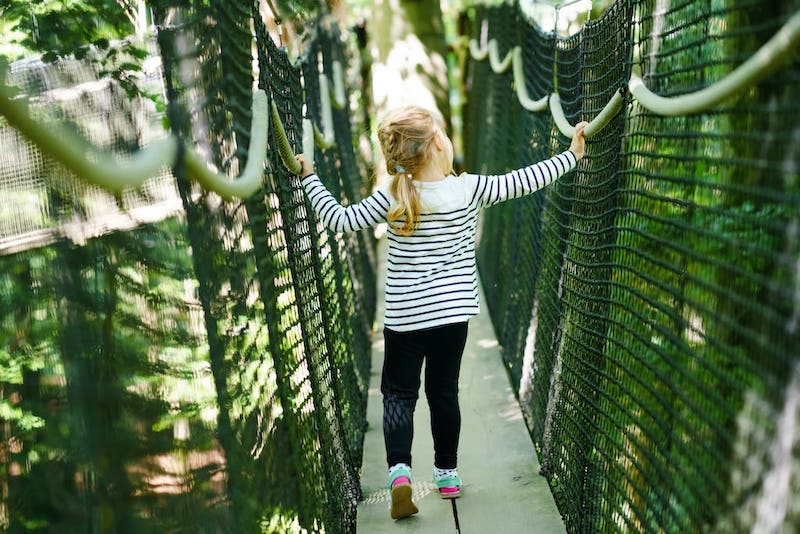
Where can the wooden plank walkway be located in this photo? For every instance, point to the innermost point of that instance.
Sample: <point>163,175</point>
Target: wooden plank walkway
<point>503,491</point>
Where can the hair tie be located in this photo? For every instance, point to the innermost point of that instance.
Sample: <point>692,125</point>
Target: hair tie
<point>399,169</point>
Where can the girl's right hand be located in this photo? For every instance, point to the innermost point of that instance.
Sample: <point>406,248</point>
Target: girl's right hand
<point>578,145</point>
<point>307,168</point>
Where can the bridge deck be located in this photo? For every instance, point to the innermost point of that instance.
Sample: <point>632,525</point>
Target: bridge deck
<point>503,492</point>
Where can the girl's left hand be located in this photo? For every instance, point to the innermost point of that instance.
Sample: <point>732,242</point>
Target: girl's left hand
<point>307,168</point>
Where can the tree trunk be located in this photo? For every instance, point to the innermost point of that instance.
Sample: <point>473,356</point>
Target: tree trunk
<point>409,51</point>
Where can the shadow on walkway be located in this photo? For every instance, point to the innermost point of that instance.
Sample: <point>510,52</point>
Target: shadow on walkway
<point>503,492</point>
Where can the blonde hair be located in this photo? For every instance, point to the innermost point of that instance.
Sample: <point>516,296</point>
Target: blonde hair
<point>407,136</point>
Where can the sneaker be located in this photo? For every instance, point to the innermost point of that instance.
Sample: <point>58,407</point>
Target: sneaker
<point>401,503</point>
<point>447,482</point>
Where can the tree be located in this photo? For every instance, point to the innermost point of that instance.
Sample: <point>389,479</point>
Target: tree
<point>56,28</point>
<point>411,54</point>
<point>98,31</point>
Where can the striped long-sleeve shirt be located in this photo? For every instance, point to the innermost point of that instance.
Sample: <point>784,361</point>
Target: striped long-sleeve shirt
<point>432,277</point>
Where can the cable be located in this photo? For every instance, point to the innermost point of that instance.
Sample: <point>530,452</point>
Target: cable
<point>455,516</point>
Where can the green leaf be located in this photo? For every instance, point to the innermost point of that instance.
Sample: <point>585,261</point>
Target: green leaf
<point>30,422</point>
<point>129,66</point>
<point>50,56</point>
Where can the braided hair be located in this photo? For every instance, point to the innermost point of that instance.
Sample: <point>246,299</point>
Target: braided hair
<point>407,136</point>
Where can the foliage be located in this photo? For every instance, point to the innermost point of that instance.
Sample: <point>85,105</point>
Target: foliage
<point>60,28</point>
<point>657,343</point>
<point>104,355</point>
<point>95,30</point>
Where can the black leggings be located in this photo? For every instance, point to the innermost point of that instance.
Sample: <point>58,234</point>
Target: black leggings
<point>441,347</point>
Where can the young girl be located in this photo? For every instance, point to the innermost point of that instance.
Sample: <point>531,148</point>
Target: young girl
<point>431,282</point>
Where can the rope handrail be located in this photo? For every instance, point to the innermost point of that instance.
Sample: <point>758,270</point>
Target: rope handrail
<point>308,140</point>
<point>249,181</point>
<point>759,65</point>
<point>491,51</point>
<point>284,147</point>
<point>519,83</point>
<point>325,137</point>
<point>108,172</point>
<point>766,59</point>
<point>608,112</point>
<point>76,154</point>
<point>338,98</point>
<point>499,66</point>
<point>111,173</point>
<point>478,54</point>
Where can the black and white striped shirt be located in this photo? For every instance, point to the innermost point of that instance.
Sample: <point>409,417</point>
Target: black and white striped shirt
<point>432,279</point>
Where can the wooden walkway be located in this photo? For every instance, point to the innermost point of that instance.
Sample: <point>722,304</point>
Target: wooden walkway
<point>503,492</point>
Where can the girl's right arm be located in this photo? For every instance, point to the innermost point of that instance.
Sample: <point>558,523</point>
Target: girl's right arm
<point>369,212</point>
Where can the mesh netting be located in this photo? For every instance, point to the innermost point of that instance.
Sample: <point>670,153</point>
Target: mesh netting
<point>647,304</point>
<point>48,198</point>
<point>170,361</point>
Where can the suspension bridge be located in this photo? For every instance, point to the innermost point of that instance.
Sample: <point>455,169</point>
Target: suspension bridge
<point>185,347</point>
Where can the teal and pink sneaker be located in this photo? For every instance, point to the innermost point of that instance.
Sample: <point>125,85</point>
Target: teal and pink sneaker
<point>447,483</point>
<point>401,501</point>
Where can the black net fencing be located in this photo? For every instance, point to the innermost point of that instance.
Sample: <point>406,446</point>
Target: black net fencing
<point>171,361</point>
<point>647,304</point>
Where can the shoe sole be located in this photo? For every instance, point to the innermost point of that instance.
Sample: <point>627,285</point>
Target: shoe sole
<point>402,505</point>
<point>452,495</point>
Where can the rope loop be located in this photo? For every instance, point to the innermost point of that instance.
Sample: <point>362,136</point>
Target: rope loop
<point>764,61</point>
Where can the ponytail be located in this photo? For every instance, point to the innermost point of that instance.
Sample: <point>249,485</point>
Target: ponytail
<point>407,137</point>
<point>408,204</point>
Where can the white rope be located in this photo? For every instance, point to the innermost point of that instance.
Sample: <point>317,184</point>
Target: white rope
<point>519,83</point>
<point>249,181</point>
<point>608,112</point>
<point>478,54</point>
<point>498,66</point>
<point>764,61</point>
<point>325,137</point>
<point>73,152</point>
<point>109,172</point>
<point>337,91</point>
<point>561,121</point>
<point>308,141</point>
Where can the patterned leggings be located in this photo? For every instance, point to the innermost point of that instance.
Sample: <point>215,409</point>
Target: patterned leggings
<point>441,348</point>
